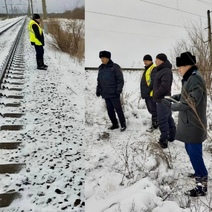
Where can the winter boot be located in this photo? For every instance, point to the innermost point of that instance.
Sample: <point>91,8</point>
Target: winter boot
<point>200,189</point>
<point>163,144</point>
<point>150,129</point>
<point>40,65</point>
<point>171,139</point>
<point>44,65</point>
<point>153,126</point>
<point>123,127</point>
<point>191,175</point>
<point>154,123</point>
<point>113,127</point>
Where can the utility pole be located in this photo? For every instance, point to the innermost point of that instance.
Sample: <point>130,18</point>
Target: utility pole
<point>44,16</point>
<point>209,37</point>
<point>29,10</point>
<point>6,8</point>
<point>31,7</point>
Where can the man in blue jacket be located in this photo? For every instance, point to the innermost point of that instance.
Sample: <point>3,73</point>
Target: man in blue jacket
<point>110,82</point>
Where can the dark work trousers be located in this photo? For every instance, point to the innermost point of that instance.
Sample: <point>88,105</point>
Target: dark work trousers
<point>195,154</point>
<point>114,104</point>
<point>166,122</point>
<point>39,52</point>
<point>152,108</point>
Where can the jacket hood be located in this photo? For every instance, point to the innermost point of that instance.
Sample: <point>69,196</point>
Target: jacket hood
<point>165,64</point>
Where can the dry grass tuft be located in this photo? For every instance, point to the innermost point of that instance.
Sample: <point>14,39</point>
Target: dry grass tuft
<point>69,39</point>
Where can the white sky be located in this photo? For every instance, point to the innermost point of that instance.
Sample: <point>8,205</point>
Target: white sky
<point>131,29</point>
<point>52,5</point>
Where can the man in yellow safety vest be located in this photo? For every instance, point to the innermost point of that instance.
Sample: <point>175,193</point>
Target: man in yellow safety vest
<point>37,40</point>
<point>146,86</point>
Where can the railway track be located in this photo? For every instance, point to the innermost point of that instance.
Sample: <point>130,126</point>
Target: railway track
<point>11,86</point>
<point>8,27</point>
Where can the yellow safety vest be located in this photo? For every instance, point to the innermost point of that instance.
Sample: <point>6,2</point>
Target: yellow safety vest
<point>32,33</point>
<point>148,76</point>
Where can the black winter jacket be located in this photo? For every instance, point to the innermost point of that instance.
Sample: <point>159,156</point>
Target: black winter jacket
<point>39,36</point>
<point>110,80</point>
<point>162,81</point>
<point>145,89</point>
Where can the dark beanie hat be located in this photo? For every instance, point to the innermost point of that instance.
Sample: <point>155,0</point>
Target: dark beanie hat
<point>147,57</point>
<point>186,58</point>
<point>162,57</point>
<point>105,54</point>
<point>36,16</point>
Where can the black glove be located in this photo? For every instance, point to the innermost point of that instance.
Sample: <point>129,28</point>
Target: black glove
<point>97,94</point>
<point>166,102</point>
<point>118,91</point>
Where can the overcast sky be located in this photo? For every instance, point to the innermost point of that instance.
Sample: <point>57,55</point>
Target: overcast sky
<point>52,5</point>
<point>131,29</point>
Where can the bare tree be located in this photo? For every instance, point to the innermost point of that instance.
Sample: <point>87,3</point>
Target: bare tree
<point>196,42</point>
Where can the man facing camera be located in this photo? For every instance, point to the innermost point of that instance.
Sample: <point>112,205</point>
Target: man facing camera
<point>110,82</point>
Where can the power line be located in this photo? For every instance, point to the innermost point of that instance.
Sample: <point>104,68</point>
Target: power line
<point>137,19</point>
<point>127,33</point>
<point>205,2</point>
<point>172,8</point>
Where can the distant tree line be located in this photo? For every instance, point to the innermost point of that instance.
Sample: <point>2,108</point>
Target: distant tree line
<point>77,13</point>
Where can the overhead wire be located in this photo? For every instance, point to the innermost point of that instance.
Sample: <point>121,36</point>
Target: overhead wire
<point>205,2</point>
<point>128,33</point>
<point>136,19</point>
<point>148,21</point>
<point>172,8</point>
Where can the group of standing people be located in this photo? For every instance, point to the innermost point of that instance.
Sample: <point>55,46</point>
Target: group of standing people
<point>155,87</point>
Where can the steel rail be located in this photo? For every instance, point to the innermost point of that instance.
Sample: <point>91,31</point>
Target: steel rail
<point>10,56</point>
<point>3,31</point>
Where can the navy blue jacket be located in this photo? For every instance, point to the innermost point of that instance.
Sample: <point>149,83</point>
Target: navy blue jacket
<point>162,81</point>
<point>110,80</point>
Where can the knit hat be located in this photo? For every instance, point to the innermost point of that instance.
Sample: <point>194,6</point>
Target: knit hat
<point>105,54</point>
<point>186,58</point>
<point>36,16</point>
<point>147,57</point>
<point>162,57</point>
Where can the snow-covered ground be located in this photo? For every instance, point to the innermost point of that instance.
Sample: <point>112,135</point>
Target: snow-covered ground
<point>8,22</point>
<point>128,171</point>
<point>52,138</point>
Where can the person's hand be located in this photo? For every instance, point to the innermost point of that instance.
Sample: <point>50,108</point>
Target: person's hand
<point>118,92</point>
<point>97,94</point>
<point>166,102</point>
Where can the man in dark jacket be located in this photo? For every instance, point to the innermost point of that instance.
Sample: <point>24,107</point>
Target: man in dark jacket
<point>37,40</point>
<point>109,85</point>
<point>162,87</point>
<point>146,86</point>
<point>192,121</point>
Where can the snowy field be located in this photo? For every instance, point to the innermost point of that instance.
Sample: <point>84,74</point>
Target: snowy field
<point>128,171</point>
<point>52,138</point>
